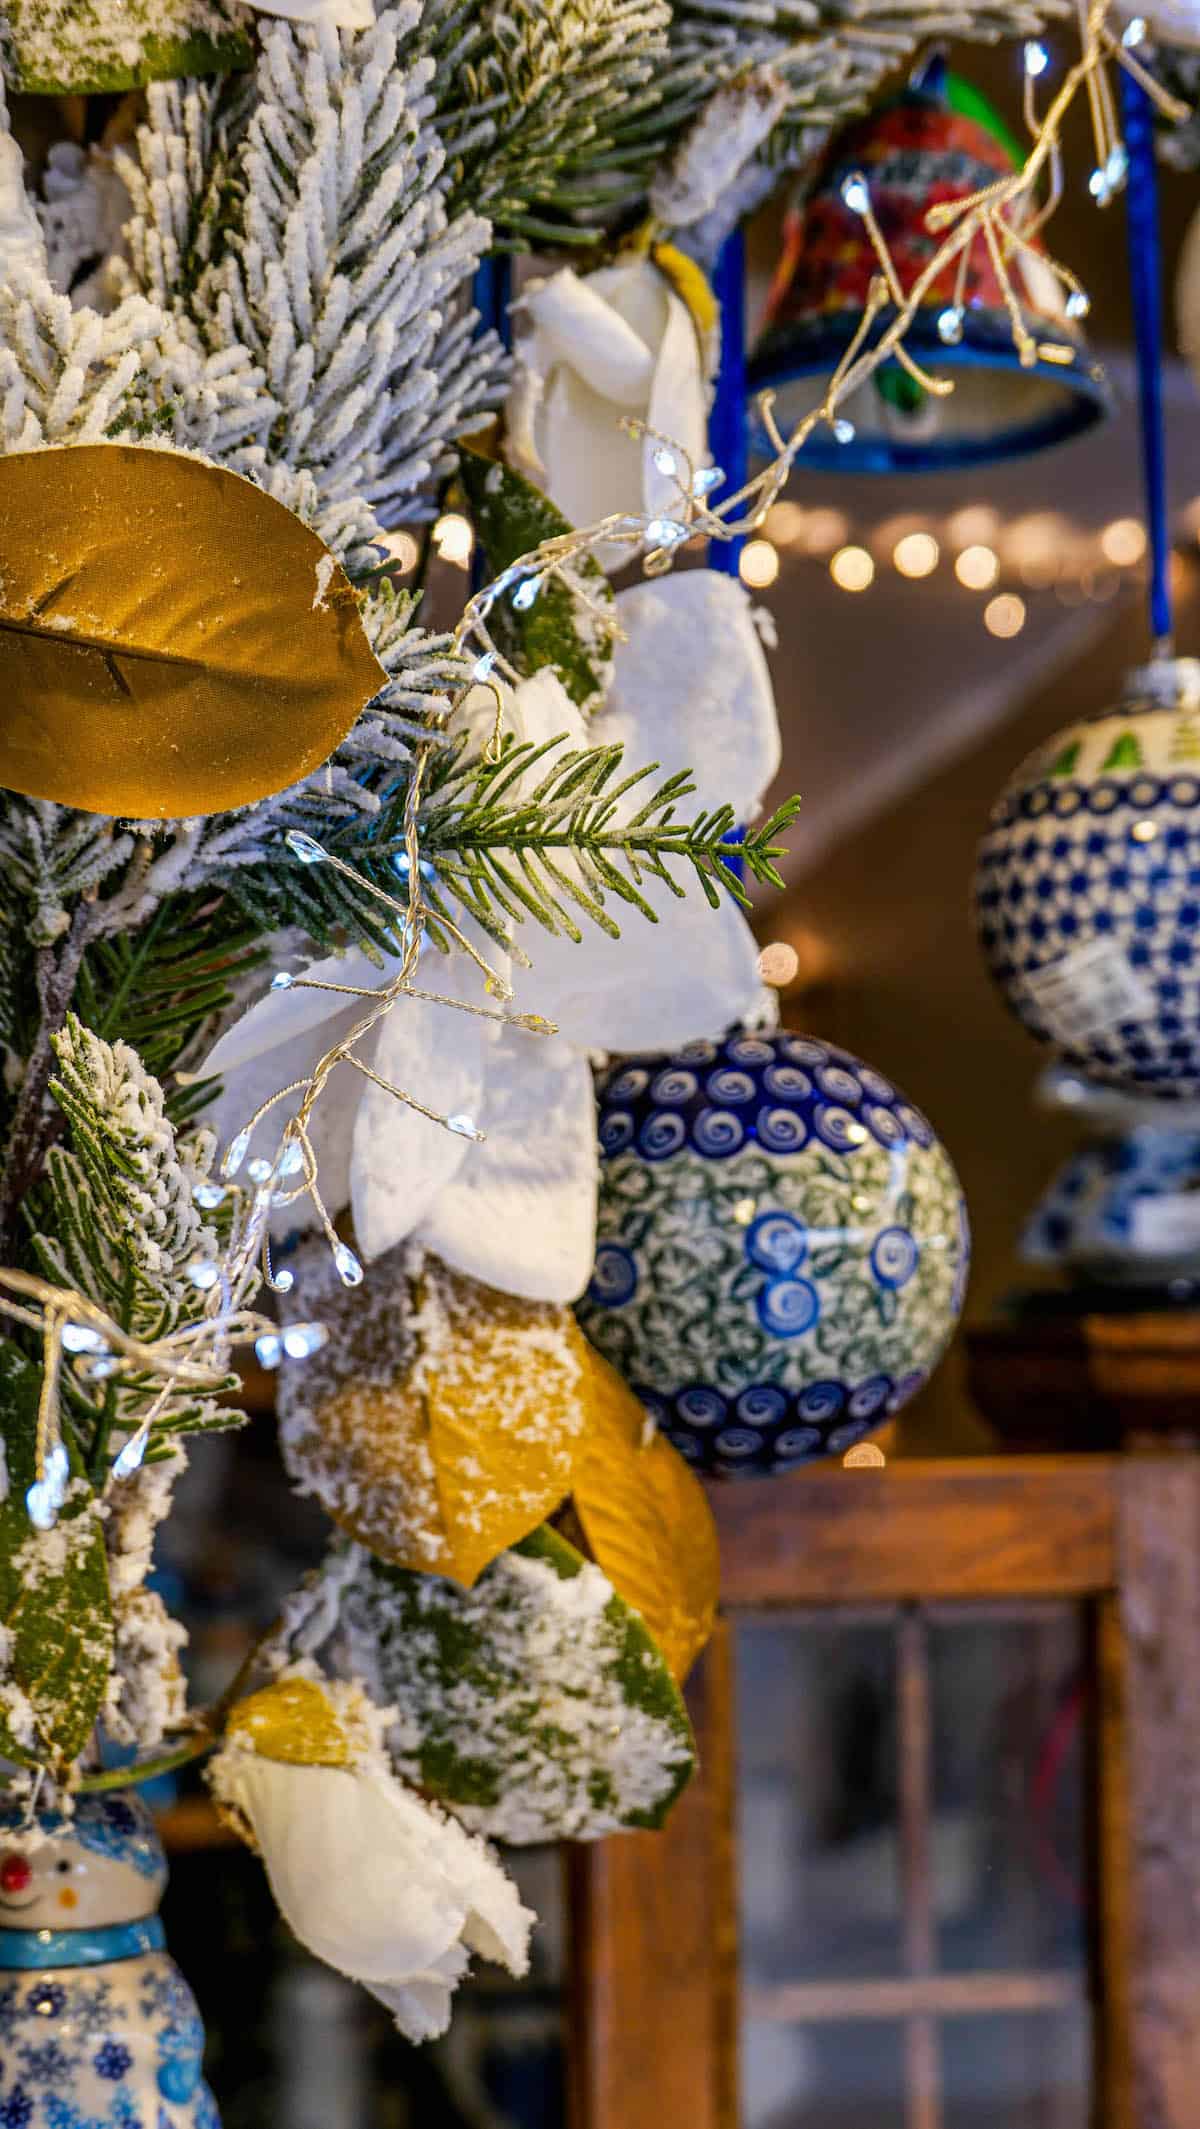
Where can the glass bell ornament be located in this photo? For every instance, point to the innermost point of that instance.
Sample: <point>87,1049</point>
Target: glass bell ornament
<point>782,1248</point>
<point>937,142</point>
<point>98,2028</point>
<point>1087,888</point>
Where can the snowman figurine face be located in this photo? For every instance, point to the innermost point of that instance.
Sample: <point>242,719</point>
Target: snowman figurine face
<point>103,1865</point>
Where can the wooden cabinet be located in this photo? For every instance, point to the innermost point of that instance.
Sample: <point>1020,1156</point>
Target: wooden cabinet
<point>1109,1545</point>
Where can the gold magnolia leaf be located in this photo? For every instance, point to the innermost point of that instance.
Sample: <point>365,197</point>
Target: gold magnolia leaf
<point>645,1517</point>
<point>442,1434</point>
<point>172,640</point>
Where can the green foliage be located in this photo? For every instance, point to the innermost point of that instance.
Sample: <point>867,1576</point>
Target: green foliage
<point>56,1632</point>
<point>512,517</point>
<point>536,1716</point>
<point>547,831</point>
<point>118,1222</point>
<point>530,98</point>
<point>157,988</point>
<point>93,47</point>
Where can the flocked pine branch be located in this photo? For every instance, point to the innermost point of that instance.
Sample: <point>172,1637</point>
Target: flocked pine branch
<point>118,1222</point>
<point>316,235</point>
<point>530,98</point>
<point>830,57</point>
<point>560,835</point>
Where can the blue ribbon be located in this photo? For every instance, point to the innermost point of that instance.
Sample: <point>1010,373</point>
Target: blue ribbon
<point>492,291</point>
<point>1145,280</point>
<point>728,431</point>
<point>30,1950</point>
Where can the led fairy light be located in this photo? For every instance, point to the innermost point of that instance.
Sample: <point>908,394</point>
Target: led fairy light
<point>198,1351</point>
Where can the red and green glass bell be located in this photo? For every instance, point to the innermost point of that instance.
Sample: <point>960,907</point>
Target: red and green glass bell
<point>938,141</point>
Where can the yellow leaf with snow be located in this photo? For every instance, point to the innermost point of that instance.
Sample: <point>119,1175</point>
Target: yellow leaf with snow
<point>645,1516</point>
<point>446,1432</point>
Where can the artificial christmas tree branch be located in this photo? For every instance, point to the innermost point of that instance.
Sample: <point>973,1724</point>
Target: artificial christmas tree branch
<point>34,1125</point>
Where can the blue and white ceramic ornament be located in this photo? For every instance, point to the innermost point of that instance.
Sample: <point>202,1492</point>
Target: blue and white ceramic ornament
<point>98,2028</point>
<point>1088,888</point>
<point>782,1247</point>
<point>1124,1210</point>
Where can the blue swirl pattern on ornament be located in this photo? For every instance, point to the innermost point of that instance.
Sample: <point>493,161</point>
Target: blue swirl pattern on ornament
<point>782,1247</point>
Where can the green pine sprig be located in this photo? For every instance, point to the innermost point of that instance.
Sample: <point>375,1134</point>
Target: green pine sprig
<point>560,847</point>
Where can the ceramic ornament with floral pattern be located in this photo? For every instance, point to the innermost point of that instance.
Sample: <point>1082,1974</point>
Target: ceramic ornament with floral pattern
<point>98,2028</point>
<point>782,1247</point>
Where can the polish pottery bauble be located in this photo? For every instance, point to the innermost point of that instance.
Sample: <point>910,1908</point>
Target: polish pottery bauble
<point>98,2028</point>
<point>1088,888</point>
<point>1124,1210</point>
<point>782,1247</point>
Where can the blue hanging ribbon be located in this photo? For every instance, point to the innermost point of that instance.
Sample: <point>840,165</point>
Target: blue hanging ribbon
<point>1145,280</point>
<point>728,430</point>
<point>492,291</point>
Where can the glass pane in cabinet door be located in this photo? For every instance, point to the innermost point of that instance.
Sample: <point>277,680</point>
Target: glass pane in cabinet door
<point>1027,2071</point>
<point>848,2075</point>
<point>1010,1724</point>
<point>817,1794</point>
<point>293,2045</point>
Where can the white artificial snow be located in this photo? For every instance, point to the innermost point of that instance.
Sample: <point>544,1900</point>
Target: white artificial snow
<point>730,129</point>
<point>540,1705</point>
<point>324,573</point>
<point>70,41</point>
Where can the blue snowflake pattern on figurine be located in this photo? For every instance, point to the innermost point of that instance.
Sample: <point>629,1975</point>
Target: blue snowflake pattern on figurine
<point>782,1247</point>
<point>105,2032</point>
<point>112,2061</point>
<point>48,2061</point>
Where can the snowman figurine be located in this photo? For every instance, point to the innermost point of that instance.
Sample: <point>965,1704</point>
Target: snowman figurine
<point>98,2028</point>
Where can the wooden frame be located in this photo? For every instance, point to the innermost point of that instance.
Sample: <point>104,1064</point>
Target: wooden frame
<point>655,1997</point>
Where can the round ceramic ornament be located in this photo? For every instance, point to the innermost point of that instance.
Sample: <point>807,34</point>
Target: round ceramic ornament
<point>1088,888</point>
<point>1124,1209</point>
<point>782,1247</point>
<point>98,2028</point>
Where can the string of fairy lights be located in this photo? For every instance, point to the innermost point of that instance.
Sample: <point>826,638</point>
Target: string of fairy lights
<point>1005,217</point>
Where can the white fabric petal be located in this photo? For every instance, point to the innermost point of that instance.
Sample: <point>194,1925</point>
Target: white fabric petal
<point>279,1020</point>
<point>579,328</point>
<point>376,1883</point>
<point>678,406</point>
<point>339,14</point>
<point>21,241</point>
<point>537,709</point>
<point>689,975</point>
<point>521,1211</point>
<point>593,469</point>
<point>280,1040</point>
<point>402,1160</point>
<point>691,689</point>
<point>615,343</point>
<point>542,709</point>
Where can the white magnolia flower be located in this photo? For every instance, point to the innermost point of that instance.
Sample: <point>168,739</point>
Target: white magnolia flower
<point>373,1880</point>
<point>616,342</point>
<point>518,1210</point>
<point>21,243</point>
<point>339,14</point>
